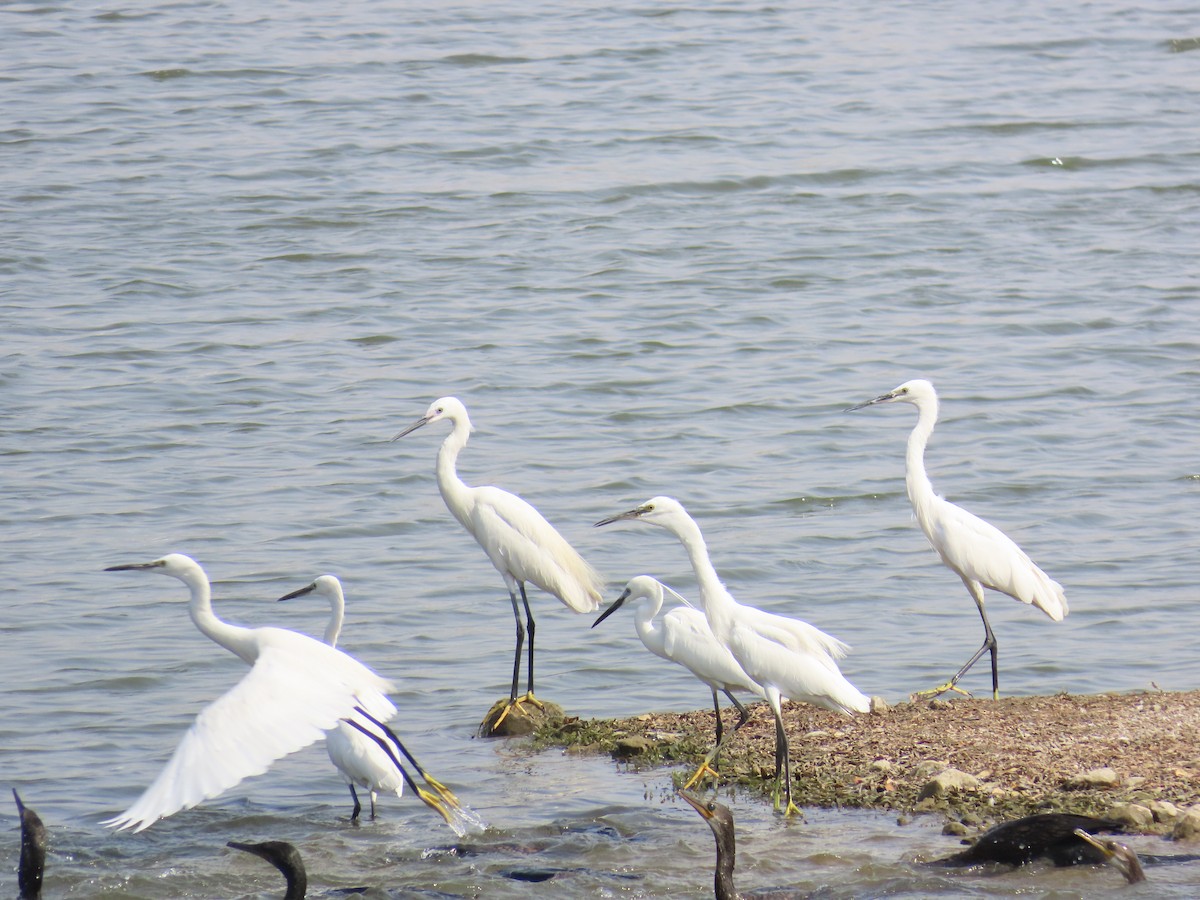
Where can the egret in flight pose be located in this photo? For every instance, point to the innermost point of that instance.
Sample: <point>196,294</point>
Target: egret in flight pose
<point>979,553</point>
<point>364,758</point>
<point>521,544</point>
<point>296,690</point>
<point>682,636</point>
<point>786,657</point>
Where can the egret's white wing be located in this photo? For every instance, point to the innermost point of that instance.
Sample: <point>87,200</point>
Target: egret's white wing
<point>982,552</point>
<point>518,539</point>
<point>297,690</point>
<point>689,642</point>
<point>773,655</point>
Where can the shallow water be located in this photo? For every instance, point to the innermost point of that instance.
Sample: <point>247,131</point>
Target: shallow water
<point>655,250</point>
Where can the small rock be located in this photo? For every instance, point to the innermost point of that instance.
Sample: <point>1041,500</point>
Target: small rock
<point>1132,814</point>
<point>879,706</point>
<point>1103,779</point>
<point>946,781</point>
<point>1164,810</point>
<point>521,719</point>
<point>627,747</point>
<point>955,828</point>
<point>883,765</point>
<point>1187,826</point>
<point>903,820</point>
<point>929,767</point>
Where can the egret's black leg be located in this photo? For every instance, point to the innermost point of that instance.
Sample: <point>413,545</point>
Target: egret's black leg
<point>512,696</point>
<point>357,805</point>
<point>989,646</point>
<point>530,626</point>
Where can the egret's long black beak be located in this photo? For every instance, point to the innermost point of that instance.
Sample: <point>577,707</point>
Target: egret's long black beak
<point>612,609</point>
<point>882,398</point>
<point>424,420</point>
<point>131,566</point>
<point>628,514</point>
<point>300,593</point>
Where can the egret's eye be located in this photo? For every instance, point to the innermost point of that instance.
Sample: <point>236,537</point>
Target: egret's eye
<point>440,410</point>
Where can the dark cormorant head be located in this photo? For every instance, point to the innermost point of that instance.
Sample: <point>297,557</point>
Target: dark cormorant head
<point>720,820</point>
<point>1117,855</point>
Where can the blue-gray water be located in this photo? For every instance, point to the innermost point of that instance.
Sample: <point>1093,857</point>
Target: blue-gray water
<point>655,249</point>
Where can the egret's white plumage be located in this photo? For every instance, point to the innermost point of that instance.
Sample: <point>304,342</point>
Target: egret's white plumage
<point>979,553</point>
<point>521,544</point>
<point>788,658</point>
<point>682,636</point>
<point>360,759</point>
<point>297,689</point>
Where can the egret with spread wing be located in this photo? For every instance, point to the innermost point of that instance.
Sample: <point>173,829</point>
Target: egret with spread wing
<point>521,544</point>
<point>788,658</point>
<point>297,689</point>
<point>364,757</point>
<point>682,636</point>
<point>979,553</point>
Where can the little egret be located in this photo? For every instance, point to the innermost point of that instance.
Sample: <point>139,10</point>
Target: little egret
<point>979,553</point>
<point>32,867</point>
<point>286,858</point>
<point>362,758</point>
<point>786,657</point>
<point>521,544</point>
<point>297,689</point>
<point>682,636</point>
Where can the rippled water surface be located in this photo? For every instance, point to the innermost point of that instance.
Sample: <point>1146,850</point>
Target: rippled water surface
<point>655,248</point>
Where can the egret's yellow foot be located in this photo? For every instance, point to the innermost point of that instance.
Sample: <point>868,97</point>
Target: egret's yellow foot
<point>504,715</point>
<point>937,691</point>
<point>529,698</point>
<point>792,809</point>
<point>705,769</point>
<point>445,792</point>
<point>435,804</point>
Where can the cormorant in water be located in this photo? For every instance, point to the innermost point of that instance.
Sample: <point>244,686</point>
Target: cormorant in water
<point>720,820</point>
<point>33,852</point>
<point>286,859</point>
<point>1043,836</point>
<point>1117,855</point>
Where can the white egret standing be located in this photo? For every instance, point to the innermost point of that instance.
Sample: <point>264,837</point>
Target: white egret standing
<point>362,758</point>
<point>979,553</point>
<point>682,636</point>
<point>786,657</point>
<point>296,690</point>
<point>521,544</point>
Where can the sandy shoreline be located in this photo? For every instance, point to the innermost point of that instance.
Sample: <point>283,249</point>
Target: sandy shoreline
<point>1020,755</point>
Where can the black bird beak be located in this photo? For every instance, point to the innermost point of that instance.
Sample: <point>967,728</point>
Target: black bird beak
<point>300,593</point>
<point>612,609</point>
<point>131,566</point>
<point>882,398</point>
<point>424,420</point>
<point>628,514</point>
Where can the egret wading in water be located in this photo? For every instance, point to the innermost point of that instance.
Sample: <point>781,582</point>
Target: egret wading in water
<point>788,658</point>
<point>682,636</point>
<point>297,689</point>
<point>521,544</point>
<point>979,553</point>
<point>365,758</point>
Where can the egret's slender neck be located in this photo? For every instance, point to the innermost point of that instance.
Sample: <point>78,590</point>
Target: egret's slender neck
<point>920,489</point>
<point>337,615</point>
<point>643,621</point>
<point>450,485</point>
<point>713,596</point>
<point>235,639</point>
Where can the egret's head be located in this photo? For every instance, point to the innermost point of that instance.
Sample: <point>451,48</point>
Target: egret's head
<point>443,408</point>
<point>639,587</point>
<point>915,392</point>
<point>174,564</point>
<point>1117,855</point>
<point>327,586</point>
<point>659,511</point>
